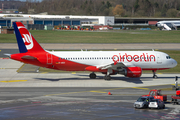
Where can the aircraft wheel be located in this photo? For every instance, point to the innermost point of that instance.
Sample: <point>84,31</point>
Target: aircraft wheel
<point>92,76</point>
<point>107,77</point>
<point>155,76</point>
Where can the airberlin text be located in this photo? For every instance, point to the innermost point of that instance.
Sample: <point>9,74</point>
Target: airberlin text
<point>136,58</point>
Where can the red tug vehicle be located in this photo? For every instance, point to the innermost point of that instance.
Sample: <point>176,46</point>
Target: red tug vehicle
<point>176,99</point>
<point>157,95</point>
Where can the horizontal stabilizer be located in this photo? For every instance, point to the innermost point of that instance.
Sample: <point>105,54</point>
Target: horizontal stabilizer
<point>28,57</point>
<point>9,55</point>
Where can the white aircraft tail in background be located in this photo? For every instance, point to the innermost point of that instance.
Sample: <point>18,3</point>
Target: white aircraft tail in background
<point>168,25</point>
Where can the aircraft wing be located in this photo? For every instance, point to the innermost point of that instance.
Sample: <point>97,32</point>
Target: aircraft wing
<point>116,66</point>
<point>28,57</point>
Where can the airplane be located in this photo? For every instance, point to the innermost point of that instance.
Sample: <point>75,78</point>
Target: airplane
<point>128,63</point>
<point>168,25</point>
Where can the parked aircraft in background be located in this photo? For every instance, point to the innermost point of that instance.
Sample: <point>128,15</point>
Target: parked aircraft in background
<point>128,63</point>
<point>168,25</point>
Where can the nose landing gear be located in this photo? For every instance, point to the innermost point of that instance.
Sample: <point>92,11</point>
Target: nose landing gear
<point>107,77</point>
<point>154,74</point>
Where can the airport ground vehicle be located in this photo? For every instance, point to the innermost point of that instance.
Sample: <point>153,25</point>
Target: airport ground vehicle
<point>176,99</point>
<point>143,101</point>
<point>157,95</point>
<point>156,103</point>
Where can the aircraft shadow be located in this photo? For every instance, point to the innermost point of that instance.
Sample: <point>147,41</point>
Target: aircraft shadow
<point>113,78</point>
<point>54,80</point>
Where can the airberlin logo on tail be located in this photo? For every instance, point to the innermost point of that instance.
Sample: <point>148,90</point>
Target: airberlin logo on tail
<point>27,38</point>
<point>28,41</point>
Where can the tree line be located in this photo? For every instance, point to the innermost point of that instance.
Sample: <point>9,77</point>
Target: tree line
<point>122,8</point>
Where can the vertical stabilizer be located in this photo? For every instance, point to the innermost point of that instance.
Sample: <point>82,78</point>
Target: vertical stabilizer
<point>25,40</point>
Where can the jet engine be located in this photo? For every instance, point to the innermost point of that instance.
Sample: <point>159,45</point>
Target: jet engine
<point>131,72</point>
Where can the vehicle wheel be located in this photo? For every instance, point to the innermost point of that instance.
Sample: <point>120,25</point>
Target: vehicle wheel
<point>92,76</point>
<point>158,107</point>
<point>163,106</point>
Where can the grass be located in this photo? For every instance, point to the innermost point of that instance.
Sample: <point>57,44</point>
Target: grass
<point>113,36</point>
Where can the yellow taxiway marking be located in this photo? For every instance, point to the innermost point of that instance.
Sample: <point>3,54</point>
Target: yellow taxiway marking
<point>98,91</point>
<point>7,81</point>
<point>44,72</point>
<point>66,93</point>
<point>174,84</point>
<point>0,50</point>
<point>141,88</point>
<point>73,73</point>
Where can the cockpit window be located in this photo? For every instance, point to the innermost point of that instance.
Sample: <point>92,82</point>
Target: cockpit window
<point>168,57</point>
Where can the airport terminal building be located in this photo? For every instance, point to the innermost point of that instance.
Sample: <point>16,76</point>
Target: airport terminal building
<point>56,20</point>
<point>7,19</point>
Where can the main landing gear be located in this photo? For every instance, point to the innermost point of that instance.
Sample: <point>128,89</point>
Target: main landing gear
<point>154,74</point>
<point>92,75</point>
<point>107,77</point>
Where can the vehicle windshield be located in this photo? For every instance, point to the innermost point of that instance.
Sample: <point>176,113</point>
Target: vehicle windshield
<point>154,100</point>
<point>141,99</point>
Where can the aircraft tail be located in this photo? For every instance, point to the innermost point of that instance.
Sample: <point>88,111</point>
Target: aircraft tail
<point>25,40</point>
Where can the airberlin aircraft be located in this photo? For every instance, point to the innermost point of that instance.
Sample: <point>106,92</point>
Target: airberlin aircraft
<point>128,63</point>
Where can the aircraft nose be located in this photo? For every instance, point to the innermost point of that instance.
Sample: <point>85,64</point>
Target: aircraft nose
<point>174,63</point>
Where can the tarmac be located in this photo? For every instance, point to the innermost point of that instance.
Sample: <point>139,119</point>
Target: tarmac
<point>11,78</point>
<point>72,96</point>
<point>32,95</point>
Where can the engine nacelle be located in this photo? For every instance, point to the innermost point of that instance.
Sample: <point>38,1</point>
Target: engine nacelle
<point>132,72</point>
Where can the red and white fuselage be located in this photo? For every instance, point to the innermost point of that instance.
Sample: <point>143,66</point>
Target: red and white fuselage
<point>129,63</point>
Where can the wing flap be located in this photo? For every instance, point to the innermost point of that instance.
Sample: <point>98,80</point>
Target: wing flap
<point>116,66</point>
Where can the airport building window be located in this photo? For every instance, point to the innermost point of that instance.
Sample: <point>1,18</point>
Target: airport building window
<point>2,22</point>
<point>75,22</point>
<point>57,22</point>
<point>67,22</point>
<point>47,22</point>
<point>38,22</point>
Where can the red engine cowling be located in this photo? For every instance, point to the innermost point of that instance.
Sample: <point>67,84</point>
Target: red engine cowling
<point>133,72</point>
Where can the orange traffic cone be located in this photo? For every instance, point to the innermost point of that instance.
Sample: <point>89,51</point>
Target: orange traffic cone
<point>109,93</point>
